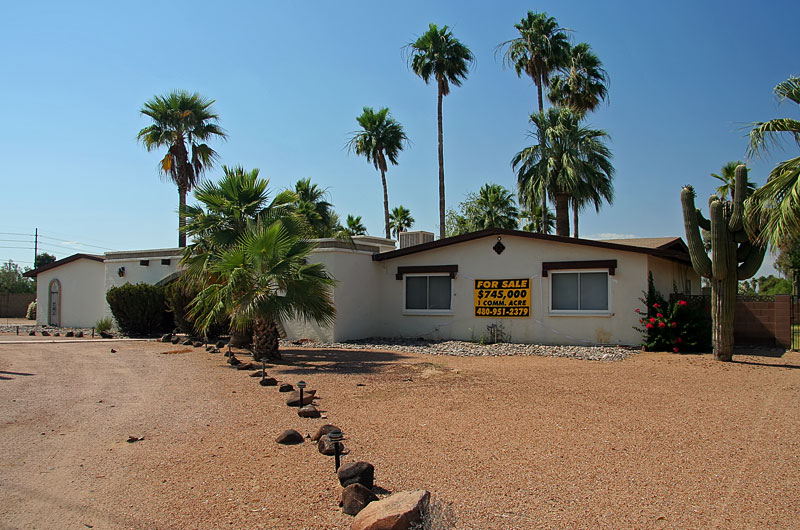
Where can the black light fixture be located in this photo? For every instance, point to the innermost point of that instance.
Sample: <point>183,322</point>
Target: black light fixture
<point>336,437</point>
<point>121,272</point>
<point>499,247</point>
<point>301,385</point>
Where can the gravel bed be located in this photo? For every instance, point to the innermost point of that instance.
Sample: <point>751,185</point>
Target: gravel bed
<point>472,349</point>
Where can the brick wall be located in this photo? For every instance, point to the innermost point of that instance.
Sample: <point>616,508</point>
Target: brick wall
<point>763,322</point>
<point>15,305</point>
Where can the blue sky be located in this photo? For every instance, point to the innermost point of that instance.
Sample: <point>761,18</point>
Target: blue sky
<point>289,79</point>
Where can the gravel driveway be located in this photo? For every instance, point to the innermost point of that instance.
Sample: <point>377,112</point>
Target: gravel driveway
<point>514,442</point>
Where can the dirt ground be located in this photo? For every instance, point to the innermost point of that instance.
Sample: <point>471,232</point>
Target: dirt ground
<point>655,441</point>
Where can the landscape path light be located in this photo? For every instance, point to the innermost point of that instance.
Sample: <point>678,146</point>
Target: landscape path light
<point>301,385</point>
<point>336,437</point>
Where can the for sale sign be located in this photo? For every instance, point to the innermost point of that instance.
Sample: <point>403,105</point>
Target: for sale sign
<point>503,298</point>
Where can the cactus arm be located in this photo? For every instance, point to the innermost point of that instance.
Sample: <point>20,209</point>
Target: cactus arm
<point>741,237</point>
<point>704,223</point>
<point>743,252</point>
<point>700,260</point>
<point>719,241</point>
<point>739,190</point>
<point>751,263</point>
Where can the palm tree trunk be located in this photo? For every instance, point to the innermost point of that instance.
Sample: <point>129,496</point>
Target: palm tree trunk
<point>575,218</point>
<point>181,218</point>
<point>543,226</point>
<point>562,214</point>
<point>265,340</point>
<point>385,205</point>
<point>539,94</point>
<point>441,166</point>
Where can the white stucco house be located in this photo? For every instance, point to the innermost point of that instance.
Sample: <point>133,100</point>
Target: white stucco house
<point>535,288</point>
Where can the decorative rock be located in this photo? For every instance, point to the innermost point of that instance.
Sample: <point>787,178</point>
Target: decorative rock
<point>308,411</point>
<point>357,473</point>
<point>175,340</point>
<point>166,337</point>
<point>31,333</point>
<point>45,333</point>
<point>69,334</point>
<point>289,437</point>
<point>325,446</point>
<point>233,361</point>
<point>187,342</point>
<point>56,334</point>
<point>325,429</point>
<point>294,398</point>
<point>197,344</point>
<point>355,497</point>
<point>229,353</point>
<point>395,512</point>
<point>79,333</point>
<point>220,344</point>
<point>245,366</point>
<point>213,350</point>
<point>106,335</point>
<point>286,387</point>
<point>257,374</point>
<point>269,381</point>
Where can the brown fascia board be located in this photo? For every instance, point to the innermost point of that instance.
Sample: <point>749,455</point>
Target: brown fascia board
<point>670,254</point>
<point>64,261</point>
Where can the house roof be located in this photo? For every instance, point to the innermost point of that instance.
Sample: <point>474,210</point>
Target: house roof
<point>63,261</point>
<point>672,248</point>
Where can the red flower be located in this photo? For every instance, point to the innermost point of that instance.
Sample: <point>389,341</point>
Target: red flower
<point>637,310</point>
<point>662,325</point>
<point>681,302</point>
<point>649,326</point>
<point>674,324</point>
<point>678,340</point>
<point>652,320</point>
<point>675,350</point>
<point>656,305</point>
<point>659,315</point>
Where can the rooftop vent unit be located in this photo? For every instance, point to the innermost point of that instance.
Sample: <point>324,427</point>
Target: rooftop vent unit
<point>409,239</point>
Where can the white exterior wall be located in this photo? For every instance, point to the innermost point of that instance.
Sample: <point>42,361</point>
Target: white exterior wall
<point>83,298</point>
<point>522,258</point>
<point>669,275</point>
<point>135,273</point>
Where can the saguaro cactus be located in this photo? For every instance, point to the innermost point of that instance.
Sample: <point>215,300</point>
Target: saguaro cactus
<point>733,256</point>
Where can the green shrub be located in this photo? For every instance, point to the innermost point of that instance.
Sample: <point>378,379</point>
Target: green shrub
<point>139,309</point>
<point>178,296</point>
<point>104,324</point>
<point>30,314</point>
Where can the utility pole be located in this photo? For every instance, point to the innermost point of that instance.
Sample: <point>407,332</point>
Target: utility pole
<point>35,246</point>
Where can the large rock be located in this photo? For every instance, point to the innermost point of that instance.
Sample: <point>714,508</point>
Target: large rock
<point>355,497</point>
<point>308,411</point>
<point>396,512</point>
<point>293,400</point>
<point>69,334</point>
<point>325,429</point>
<point>289,437</point>
<point>357,473</point>
<point>106,335</point>
<point>175,340</point>
<point>285,387</point>
<point>166,337</point>
<point>79,333</point>
<point>325,446</point>
<point>270,381</point>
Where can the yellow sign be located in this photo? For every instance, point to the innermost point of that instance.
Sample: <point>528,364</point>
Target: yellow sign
<point>503,298</point>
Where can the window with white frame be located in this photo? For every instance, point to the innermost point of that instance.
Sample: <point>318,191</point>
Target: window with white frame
<point>428,293</point>
<point>579,291</point>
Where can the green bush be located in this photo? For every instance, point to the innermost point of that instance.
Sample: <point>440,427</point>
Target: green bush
<point>104,324</point>
<point>178,296</point>
<point>139,309</point>
<point>30,314</point>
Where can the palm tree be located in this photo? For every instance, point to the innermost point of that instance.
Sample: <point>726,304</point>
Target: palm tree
<point>494,208</point>
<point>439,56</point>
<point>182,122</point>
<point>401,220</point>
<point>594,189</point>
<point>264,278</point>
<point>312,205</point>
<point>534,219</point>
<point>354,226</point>
<point>726,176</point>
<point>775,207</point>
<point>581,83</point>
<point>381,138</point>
<point>541,48</point>
<point>568,160</point>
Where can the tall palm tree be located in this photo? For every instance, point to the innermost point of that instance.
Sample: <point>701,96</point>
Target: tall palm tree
<point>494,208</point>
<point>182,122</point>
<point>400,220</point>
<point>594,188</point>
<point>775,207</point>
<point>534,219</point>
<point>726,177</point>
<point>541,48</point>
<point>311,203</point>
<point>438,55</point>
<point>581,83</point>
<point>354,226</point>
<point>567,160</point>
<point>264,278</point>
<point>380,139</point>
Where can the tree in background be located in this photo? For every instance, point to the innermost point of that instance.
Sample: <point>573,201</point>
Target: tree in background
<point>12,280</point>
<point>726,178</point>
<point>182,122</point>
<point>400,220</point>
<point>773,212</point>
<point>581,83</point>
<point>766,285</point>
<point>533,219</point>
<point>438,55</point>
<point>354,226</point>
<point>380,139</point>
<point>42,259</point>
<point>311,203</point>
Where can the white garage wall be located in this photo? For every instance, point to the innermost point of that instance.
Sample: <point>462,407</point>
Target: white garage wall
<point>82,293</point>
